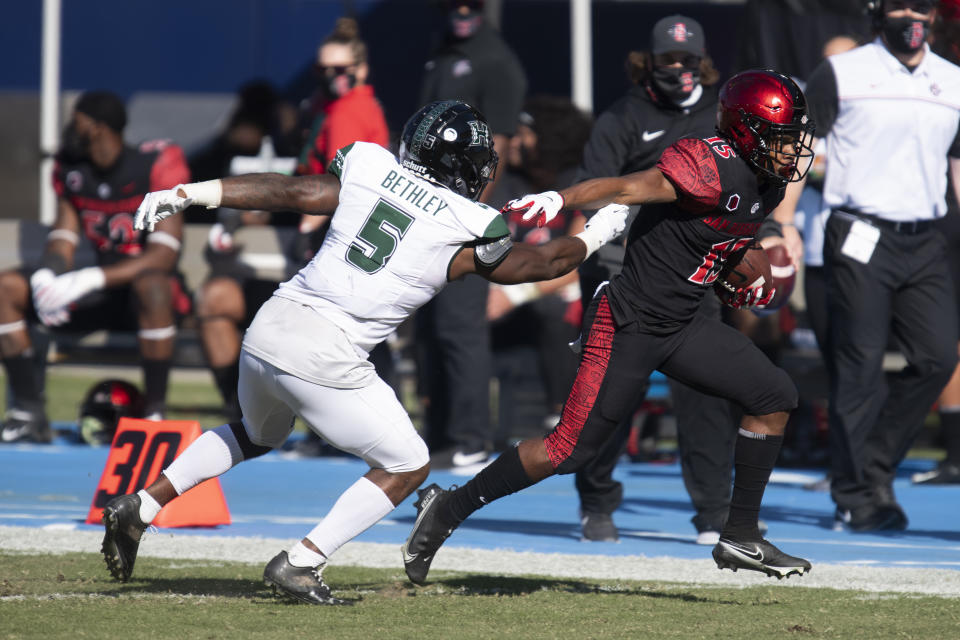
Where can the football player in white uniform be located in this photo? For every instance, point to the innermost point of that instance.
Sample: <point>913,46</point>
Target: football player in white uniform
<point>400,231</point>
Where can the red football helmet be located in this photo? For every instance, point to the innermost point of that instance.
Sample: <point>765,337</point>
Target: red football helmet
<point>764,115</point>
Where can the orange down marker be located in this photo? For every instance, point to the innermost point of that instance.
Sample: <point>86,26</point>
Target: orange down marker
<point>141,449</point>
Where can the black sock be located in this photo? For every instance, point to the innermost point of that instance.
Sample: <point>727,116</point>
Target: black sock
<point>226,379</point>
<point>503,476</point>
<point>950,430</point>
<point>155,376</point>
<point>22,377</point>
<point>754,458</point>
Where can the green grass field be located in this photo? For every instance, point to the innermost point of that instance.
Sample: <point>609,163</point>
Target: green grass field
<point>72,596</point>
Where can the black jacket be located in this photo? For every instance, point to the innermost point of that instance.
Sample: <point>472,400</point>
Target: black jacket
<point>633,133</point>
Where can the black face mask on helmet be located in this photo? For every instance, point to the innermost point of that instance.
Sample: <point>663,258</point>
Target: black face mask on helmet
<point>74,146</point>
<point>906,34</point>
<point>676,84</point>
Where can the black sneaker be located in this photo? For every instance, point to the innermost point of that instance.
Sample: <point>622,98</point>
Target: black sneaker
<point>944,474</point>
<point>758,555</point>
<point>121,518</point>
<point>301,583</point>
<point>598,527</point>
<point>21,426</point>
<point>869,518</point>
<point>427,535</point>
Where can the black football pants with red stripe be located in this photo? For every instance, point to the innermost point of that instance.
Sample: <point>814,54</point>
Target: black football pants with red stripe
<point>615,363</point>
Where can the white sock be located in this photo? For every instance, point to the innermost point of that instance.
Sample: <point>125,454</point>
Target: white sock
<point>149,508</point>
<point>207,457</point>
<point>356,510</point>
<point>300,556</point>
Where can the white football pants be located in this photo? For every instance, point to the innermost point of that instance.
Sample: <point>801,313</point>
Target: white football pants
<point>368,422</point>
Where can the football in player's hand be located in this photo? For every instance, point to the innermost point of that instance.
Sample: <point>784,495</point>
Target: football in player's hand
<point>784,275</point>
<point>747,268</point>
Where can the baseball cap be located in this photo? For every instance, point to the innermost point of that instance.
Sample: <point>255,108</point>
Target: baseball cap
<point>678,33</point>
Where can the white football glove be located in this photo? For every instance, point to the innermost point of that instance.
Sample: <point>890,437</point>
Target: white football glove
<point>157,206</point>
<point>542,206</point>
<point>219,239</point>
<point>54,318</point>
<point>610,221</point>
<point>38,281</point>
<point>69,287</point>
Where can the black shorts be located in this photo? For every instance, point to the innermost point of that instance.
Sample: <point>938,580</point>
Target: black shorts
<point>615,363</point>
<point>255,293</point>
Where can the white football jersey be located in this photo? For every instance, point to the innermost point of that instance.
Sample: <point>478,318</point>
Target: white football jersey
<point>389,245</point>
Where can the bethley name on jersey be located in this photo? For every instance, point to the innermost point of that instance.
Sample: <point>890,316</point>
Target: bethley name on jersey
<point>105,201</point>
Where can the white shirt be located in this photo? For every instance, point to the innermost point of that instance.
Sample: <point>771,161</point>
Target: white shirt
<point>887,149</point>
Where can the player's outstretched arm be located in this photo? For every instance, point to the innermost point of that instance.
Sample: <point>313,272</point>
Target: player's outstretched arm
<point>533,263</point>
<point>317,194</point>
<point>642,187</point>
<point>634,188</point>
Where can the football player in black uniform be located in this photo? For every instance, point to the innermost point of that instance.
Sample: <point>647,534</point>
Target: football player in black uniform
<point>703,202</point>
<point>100,182</point>
<point>674,96</point>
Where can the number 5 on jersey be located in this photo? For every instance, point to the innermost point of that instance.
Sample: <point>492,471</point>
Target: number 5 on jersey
<point>378,238</point>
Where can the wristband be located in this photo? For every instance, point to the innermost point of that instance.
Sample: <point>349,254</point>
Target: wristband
<point>164,238</point>
<point>207,194</point>
<point>63,234</point>
<point>592,238</point>
<point>522,293</point>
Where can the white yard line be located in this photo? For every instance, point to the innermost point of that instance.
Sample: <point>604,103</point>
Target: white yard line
<point>257,550</point>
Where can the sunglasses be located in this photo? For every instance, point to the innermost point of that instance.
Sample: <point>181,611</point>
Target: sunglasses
<point>335,70</point>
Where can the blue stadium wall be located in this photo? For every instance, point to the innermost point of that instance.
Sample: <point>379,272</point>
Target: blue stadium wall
<point>217,45</point>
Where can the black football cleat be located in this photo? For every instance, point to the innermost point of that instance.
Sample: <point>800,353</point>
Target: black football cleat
<point>300,583</point>
<point>121,518</point>
<point>759,555</point>
<point>428,533</point>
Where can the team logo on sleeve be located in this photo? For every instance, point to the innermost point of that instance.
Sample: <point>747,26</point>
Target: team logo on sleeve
<point>338,162</point>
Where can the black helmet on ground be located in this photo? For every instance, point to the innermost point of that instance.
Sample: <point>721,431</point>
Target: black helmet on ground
<point>107,402</point>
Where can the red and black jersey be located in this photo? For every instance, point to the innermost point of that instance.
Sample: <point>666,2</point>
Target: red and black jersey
<point>675,251</point>
<point>106,201</point>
